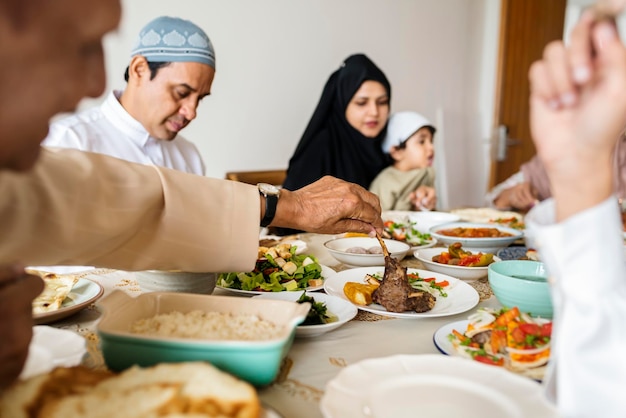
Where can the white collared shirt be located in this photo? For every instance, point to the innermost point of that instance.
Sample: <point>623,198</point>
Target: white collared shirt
<point>110,129</point>
<point>584,256</point>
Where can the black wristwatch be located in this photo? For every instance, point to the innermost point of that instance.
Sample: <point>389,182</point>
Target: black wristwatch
<point>271,194</point>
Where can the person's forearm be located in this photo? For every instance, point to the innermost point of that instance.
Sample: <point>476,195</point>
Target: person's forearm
<point>576,194</point>
<point>89,209</point>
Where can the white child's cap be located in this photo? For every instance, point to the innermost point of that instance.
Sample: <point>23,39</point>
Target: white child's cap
<point>401,126</point>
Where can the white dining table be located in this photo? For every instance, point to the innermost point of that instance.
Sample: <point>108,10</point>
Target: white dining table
<point>311,362</point>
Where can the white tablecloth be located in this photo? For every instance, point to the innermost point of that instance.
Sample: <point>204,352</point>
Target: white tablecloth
<point>311,362</point>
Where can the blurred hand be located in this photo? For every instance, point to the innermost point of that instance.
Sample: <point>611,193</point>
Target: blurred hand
<point>17,291</point>
<point>424,197</point>
<point>329,206</point>
<point>521,196</point>
<point>578,111</point>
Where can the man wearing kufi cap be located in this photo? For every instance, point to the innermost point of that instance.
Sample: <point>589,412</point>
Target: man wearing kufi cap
<point>171,69</point>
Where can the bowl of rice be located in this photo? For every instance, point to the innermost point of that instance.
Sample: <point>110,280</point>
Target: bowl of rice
<point>247,337</point>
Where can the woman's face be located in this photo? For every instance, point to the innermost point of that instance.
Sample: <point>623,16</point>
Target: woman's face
<point>368,109</point>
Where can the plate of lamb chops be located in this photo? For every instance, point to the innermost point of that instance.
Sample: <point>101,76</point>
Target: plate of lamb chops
<point>393,290</point>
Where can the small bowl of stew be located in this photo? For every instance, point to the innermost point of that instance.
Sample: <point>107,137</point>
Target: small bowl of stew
<point>476,237</point>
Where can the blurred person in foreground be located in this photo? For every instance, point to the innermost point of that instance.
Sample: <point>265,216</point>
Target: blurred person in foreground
<point>65,206</point>
<point>578,110</point>
<point>409,182</point>
<point>171,70</point>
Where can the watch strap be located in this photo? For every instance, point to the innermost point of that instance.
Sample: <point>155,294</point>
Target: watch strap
<point>271,201</point>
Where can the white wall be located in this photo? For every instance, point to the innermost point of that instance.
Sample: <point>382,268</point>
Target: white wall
<point>274,56</point>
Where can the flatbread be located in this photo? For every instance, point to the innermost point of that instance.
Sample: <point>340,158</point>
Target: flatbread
<point>485,215</point>
<point>57,289</point>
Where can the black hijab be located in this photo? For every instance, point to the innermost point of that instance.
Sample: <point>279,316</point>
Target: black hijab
<point>330,145</point>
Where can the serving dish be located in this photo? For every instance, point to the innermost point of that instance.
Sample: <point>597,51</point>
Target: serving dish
<point>461,296</point>
<point>342,309</point>
<point>486,215</point>
<point>485,245</point>
<point>431,385</point>
<point>326,273</point>
<point>522,283</point>
<point>512,253</point>
<point>460,272</point>
<point>337,248</point>
<point>83,294</point>
<point>176,281</point>
<point>257,362</point>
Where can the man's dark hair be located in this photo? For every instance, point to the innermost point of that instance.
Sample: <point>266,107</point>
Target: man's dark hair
<point>154,69</point>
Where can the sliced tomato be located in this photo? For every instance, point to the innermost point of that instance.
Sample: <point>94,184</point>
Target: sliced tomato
<point>494,361</point>
<point>518,335</point>
<point>546,330</point>
<point>529,329</point>
<point>469,260</point>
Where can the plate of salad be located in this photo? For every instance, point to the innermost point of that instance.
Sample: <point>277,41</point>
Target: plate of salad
<point>278,271</point>
<point>406,231</point>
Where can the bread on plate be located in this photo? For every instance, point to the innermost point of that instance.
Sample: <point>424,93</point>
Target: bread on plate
<point>194,389</point>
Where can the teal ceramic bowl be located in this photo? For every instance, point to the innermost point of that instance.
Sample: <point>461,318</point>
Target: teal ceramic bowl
<point>257,362</point>
<point>521,283</point>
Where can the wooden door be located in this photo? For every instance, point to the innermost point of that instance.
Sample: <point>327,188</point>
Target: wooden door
<point>526,27</point>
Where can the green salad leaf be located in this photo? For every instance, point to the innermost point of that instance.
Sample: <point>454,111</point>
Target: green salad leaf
<point>275,274</point>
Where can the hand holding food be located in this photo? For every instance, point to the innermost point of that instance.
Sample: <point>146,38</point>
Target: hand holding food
<point>405,231</point>
<point>329,206</point>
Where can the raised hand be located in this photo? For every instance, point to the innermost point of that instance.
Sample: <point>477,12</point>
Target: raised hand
<point>578,111</point>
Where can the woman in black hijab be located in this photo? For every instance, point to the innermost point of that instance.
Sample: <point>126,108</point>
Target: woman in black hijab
<point>336,144</point>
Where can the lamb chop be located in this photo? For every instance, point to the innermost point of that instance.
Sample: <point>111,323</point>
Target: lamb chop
<point>395,293</point>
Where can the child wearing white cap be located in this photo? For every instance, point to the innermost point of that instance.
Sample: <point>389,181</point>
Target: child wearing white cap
<point>408,183</point>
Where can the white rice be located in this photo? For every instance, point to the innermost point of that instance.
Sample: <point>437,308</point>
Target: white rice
<point>207,326</point>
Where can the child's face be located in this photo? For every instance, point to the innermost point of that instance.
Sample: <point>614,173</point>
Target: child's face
<point>418,151</point>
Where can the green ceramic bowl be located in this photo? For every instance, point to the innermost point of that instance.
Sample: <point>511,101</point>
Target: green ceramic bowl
<point>257,362</point>
<point>521,283</point>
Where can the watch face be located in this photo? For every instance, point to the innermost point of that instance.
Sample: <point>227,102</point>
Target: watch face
<point>268,188</point>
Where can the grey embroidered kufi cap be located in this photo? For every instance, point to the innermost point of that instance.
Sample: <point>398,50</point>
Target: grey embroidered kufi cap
<point>171,39</point>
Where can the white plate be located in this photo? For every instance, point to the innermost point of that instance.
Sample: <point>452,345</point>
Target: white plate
<point>440,337</point>
<point>445,346</point>
<point>82,295</point>
<point>429,244</point>
<point>461,296</point>
<point>326,273</point>
<point>380,383</point>
<point>342,309</point>
<point>485,245</point>
<point>52,347</point>
<point>469,274</point>
<point>63,269</point>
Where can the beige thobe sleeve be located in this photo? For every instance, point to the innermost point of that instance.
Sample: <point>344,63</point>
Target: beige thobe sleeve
<point>78,208</point>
